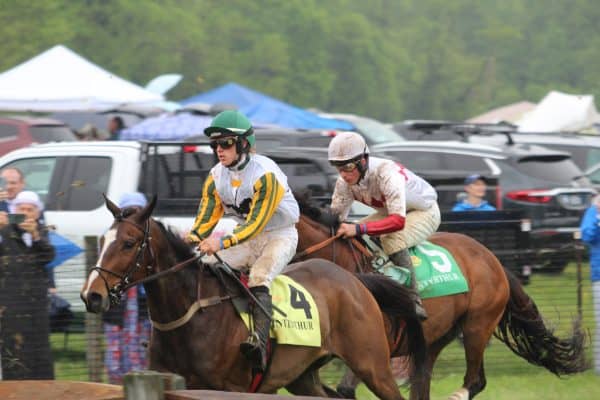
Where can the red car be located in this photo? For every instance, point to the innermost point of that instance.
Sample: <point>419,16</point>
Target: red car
<point>21,131</point>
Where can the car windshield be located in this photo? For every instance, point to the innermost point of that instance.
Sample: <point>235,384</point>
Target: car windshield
<point>51,133</point>
<point>375,132</point>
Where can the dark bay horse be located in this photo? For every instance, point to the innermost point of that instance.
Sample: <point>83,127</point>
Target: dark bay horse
<point>197,331</point>
<point>495,304</point>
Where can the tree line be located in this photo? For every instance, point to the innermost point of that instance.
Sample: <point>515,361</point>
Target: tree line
<point>389,59</point>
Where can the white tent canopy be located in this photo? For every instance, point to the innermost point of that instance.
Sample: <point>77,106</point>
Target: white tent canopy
<point>561,112</point>
<point>509,113</point>
<point>61,80</point>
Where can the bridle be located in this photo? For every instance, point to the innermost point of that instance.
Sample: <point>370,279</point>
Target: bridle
<point>116,291</point>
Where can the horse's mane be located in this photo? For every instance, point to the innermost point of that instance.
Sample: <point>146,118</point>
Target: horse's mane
<point>310,209</point>
<point>183,250</point>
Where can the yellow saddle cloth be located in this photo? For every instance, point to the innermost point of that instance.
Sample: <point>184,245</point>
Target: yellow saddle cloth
<point>295,314</point>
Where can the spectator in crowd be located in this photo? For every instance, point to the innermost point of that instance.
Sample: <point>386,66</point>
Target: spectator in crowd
<point>475,186</point>
<point>115,126</point>
<point>13,183</point>
<point>127,326</point>
<point>24,322</point>
<point>590,234</point>
<point>89,132</point>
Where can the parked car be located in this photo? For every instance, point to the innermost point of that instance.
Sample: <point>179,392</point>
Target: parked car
<point>372,130</point>
<point>21,131</point>
<point>545,184</point>
<point>583,148</point>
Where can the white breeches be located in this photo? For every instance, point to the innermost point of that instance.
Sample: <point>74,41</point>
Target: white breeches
<point>419,225</point>
<point>265,255</point>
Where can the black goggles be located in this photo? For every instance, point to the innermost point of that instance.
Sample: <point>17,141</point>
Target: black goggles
<point>225,143</point>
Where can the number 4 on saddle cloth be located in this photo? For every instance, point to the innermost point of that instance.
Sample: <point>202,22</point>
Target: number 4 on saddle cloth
<point>295,314</point>
<point>436,270</point>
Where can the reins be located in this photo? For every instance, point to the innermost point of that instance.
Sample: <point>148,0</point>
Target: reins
<point>315,247</point>
<point>354,243</point>
<point>175,268</point>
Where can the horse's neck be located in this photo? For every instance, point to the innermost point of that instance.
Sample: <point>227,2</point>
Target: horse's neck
<point>340,252</point>
<point>170,296</point>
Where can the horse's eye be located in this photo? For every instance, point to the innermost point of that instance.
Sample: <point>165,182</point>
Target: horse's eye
<point>129,244</point>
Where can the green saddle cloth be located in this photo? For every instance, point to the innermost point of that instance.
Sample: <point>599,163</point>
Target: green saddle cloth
<point>436,271</point>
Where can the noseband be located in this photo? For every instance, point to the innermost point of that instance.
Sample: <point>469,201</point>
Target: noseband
<point>115,292</point>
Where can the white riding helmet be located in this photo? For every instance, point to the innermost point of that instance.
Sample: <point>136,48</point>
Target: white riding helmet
<point>346,146</point>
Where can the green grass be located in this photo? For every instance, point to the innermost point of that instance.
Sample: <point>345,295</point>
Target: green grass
<point>508,376</point>
<point>70,360</point>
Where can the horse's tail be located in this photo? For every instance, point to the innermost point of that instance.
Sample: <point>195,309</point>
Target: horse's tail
<point>396,302</point>
<point>523,330</point>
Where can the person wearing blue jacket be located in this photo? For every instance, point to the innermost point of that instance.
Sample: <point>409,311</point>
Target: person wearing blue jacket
<point>475,186</point>
<point>590,234</point>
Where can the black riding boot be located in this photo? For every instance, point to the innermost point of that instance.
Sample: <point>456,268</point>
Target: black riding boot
<point>402,259</point>
<point>255,347</point>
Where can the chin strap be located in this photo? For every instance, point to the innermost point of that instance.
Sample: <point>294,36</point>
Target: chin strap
<point>363,169</point>
<point>240,162</point>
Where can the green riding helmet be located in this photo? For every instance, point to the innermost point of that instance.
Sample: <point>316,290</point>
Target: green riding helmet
<point>228,123</point>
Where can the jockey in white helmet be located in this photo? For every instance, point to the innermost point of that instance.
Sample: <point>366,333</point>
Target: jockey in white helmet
<point>407,209</point>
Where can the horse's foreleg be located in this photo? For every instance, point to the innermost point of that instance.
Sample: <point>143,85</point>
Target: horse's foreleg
<point>348,384</point>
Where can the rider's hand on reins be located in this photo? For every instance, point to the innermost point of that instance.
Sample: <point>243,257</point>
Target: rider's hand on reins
<point>210,245</point>
<point>347,230</point>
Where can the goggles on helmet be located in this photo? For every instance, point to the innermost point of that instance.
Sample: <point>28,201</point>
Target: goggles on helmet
<point>346,165</point>
<point>225,143</point>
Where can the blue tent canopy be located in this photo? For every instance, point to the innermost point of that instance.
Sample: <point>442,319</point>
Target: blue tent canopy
<point>167,127</point>
<point>265,109</point>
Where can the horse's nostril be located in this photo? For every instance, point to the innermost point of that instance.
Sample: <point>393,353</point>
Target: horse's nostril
<point>94,302</point>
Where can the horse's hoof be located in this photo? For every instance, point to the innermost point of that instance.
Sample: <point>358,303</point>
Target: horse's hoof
<point>346,392</point>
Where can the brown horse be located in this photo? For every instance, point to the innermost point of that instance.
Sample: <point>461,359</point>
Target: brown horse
<point>495,304</point>
<point>197,331</point>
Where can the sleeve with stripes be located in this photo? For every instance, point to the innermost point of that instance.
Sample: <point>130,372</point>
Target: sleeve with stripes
<point>268,193</point>
<point>210,211</point>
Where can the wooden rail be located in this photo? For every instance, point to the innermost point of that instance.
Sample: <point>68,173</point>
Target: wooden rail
<point>59,390</point>
<point>215,395</point>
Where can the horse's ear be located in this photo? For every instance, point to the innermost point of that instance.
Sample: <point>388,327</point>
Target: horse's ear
<point>146,211</point>
<point>112,207</point>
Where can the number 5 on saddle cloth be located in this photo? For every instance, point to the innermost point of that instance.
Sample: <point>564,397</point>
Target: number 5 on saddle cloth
<point>436,270</point>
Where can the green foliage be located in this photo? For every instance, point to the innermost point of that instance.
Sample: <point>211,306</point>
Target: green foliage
<point>388,59</point>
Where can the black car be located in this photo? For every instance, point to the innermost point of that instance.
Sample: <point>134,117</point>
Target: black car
<point>545,184</point>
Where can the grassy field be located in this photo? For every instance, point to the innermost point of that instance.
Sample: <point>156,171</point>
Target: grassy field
<point>508,376</point>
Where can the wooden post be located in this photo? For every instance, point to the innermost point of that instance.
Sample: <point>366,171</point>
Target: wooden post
<point>578,251</point>
<point>150,385</point>
<point>93,322</point>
